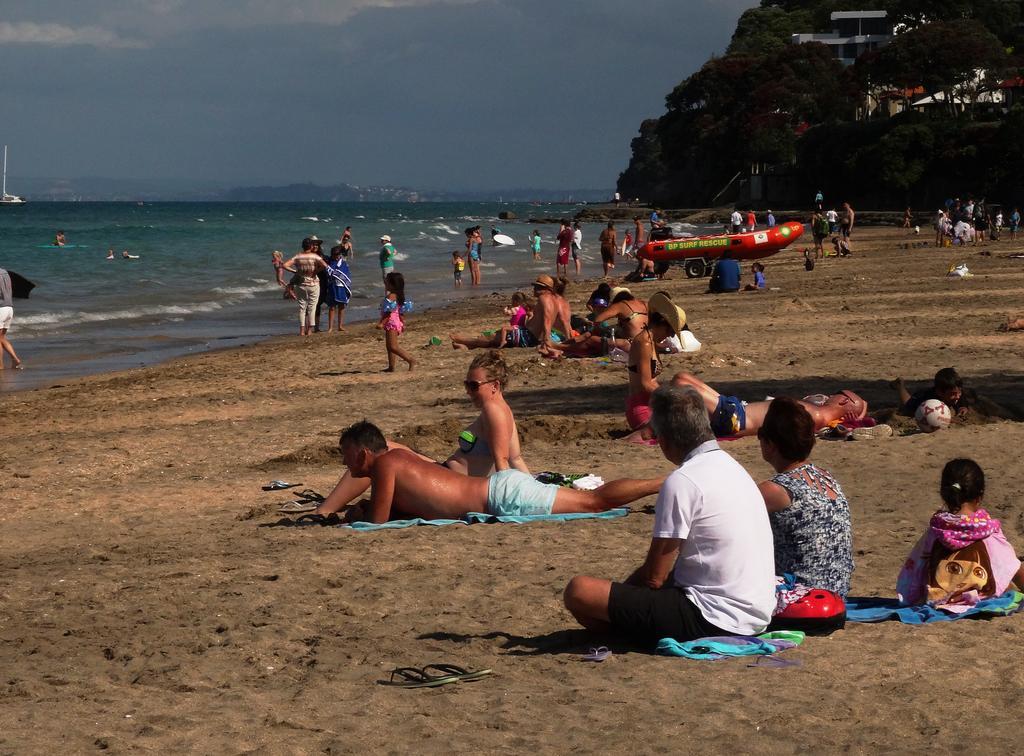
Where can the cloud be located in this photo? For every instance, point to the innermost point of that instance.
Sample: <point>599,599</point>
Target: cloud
<point>156,19</point>
<point>59,35</point>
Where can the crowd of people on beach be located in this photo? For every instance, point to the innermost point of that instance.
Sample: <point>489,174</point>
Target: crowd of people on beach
<point>961,223</point>
<point>727,555</point>
<point>318,281</point>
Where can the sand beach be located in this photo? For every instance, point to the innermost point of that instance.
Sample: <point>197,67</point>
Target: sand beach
<point>152,599</point>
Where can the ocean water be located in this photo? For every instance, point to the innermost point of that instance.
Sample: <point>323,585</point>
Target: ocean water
<point>204,277</point>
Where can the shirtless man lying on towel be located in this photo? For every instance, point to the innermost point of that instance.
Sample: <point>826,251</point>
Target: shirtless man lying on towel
<point>732,417</point>
<point>404,485</point>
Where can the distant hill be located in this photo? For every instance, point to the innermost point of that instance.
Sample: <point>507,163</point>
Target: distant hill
<point>98,189</point>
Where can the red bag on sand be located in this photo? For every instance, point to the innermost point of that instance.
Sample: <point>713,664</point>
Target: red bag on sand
<point>819,612</point>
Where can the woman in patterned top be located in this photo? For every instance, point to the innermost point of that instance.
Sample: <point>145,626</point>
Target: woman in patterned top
<point>809,513</point>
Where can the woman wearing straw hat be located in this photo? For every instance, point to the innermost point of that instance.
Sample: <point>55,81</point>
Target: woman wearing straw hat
<point>664,319</point>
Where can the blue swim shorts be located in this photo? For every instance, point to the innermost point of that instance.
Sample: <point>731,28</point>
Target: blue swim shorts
<point>515,493</point>
<point>729,417</point>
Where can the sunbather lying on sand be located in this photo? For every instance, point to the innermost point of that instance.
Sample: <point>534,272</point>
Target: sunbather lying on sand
<point>404,485</point>
<point>732,417</point>
<point>489,443</point>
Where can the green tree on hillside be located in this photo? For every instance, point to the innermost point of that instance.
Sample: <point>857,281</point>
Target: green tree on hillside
<point>767,29</point>
<point>735,111</point>
<point>796,108</point>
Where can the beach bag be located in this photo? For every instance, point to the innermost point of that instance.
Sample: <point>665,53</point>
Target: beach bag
<point>820,612</point>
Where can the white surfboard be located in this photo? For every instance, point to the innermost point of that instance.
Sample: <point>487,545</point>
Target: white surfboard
<point>503,239</point>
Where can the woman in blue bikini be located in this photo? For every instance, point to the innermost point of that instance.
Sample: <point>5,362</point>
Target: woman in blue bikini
<point>489,443</point>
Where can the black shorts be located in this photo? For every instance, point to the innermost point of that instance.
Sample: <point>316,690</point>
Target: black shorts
<point>647,615</point>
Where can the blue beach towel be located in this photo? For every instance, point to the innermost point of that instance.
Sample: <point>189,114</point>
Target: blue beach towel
<point>726,646</point>
<point>397,524</point>
<point>881,609</point>
<point>474,518</point>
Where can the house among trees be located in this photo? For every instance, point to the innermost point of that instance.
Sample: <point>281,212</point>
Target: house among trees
<point>853,34</point>
<point>855,110</point>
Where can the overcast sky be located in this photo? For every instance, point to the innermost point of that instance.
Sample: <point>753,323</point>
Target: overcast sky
<point>456,94</point>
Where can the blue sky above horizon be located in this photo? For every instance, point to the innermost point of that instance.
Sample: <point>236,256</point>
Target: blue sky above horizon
<point>441,94</point>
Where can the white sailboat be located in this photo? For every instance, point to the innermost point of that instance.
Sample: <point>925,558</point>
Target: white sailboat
<point>5,198</point>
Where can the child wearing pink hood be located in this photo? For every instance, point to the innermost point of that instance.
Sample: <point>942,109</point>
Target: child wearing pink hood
<point>963,557</point>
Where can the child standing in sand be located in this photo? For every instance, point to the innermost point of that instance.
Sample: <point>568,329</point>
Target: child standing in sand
<point>458,265</point>
<point>392,310</point>
<point>963,557</point>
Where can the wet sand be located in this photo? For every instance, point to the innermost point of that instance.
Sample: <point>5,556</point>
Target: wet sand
<point>151,598</point>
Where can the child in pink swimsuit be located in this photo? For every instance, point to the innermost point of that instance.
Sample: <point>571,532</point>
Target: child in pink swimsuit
<point>518,311</point>
<point>392,309</point>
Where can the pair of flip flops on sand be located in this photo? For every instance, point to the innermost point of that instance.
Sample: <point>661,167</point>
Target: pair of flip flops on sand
<point>307,500</point>
<point>428,677</point>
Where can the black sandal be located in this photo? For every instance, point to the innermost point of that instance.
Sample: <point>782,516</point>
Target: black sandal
<point>459,673</point>
<point>411,677</point>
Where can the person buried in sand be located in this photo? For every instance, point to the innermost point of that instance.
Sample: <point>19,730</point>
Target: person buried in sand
<point>404,485</point>
<point>947,387</point>
<point>732,417</point>
<point>710,569</point>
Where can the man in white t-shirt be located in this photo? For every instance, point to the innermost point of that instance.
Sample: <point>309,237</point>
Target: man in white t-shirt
<point>737,221</point>
<point>710,569</point>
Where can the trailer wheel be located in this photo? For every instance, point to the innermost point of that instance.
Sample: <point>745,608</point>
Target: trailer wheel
<point>695,268</point>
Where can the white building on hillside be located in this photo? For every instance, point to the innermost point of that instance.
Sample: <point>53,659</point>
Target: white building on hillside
<point>853,33</point>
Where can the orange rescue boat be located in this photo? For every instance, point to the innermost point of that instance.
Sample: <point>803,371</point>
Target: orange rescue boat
<point>697,253</point>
